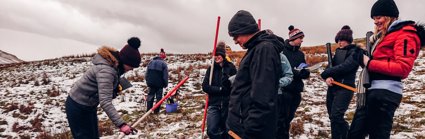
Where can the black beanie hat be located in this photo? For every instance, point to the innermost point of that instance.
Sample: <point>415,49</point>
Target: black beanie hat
<point>384,8</point>
<point>242,23</point>
<point>345,34</point>
<point>221,49</point>
<point>130,55</point>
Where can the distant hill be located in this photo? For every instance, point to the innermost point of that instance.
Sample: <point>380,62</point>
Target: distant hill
<point>6,58</point>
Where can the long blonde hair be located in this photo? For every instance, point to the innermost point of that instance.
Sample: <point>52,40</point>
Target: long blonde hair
<point>384,31</point>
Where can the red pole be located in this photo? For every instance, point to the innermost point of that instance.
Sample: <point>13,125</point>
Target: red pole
<point>169,93</point>
<point>211,73</point>
<point>216,35</point>
<point>259,24</point>
<point>205,115</point>
<point>157,105</point>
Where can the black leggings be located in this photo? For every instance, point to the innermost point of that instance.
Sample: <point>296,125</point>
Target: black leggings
<point>376,118</point>
<point>288,103</point>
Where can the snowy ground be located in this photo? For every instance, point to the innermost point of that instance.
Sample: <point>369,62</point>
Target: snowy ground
<point>32,99</point>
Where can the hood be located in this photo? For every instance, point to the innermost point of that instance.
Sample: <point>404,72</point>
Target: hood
<point>264,36</point>
<point>409,25</point>
<point>105,56</point>
<point>399,24</point>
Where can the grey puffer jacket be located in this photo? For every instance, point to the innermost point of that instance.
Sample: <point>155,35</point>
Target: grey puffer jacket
<point>97,84</point>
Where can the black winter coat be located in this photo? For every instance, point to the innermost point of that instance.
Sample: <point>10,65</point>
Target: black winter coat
<point>345,64</point>
<point>220,79</point>
<point>295,57</point>
<point>253,100</point>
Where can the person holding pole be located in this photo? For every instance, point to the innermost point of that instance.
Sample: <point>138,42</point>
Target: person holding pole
<point>218,93</point>
<point>253,99</point>
<point>210,76</point>
<point>99,85</point>
<point>396,45</point>
<point>156,79</point>
<point>343,68</point>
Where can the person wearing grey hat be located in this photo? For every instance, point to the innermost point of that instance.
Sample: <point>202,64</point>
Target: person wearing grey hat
<point>253,99</point>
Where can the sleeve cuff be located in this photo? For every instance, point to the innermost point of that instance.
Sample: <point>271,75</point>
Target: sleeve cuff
<point>368,62</point>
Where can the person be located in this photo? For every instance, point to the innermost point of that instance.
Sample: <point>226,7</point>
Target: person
<point>99,85</point>
<point>218,93</point>
<point>396,45</point>
<point>253,99</point>
<point>343,70</point>
<point>156,79</point>
<point>285,80</point>
<point>292,92</point>
<point>228,52</point>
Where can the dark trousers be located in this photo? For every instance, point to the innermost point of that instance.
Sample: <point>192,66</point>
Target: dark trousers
<point>154,92</point>
<point>288,103</point>
<point>82,120</point>
<point>337,101</point>
<point>376,118</point>
<point>216,122</point>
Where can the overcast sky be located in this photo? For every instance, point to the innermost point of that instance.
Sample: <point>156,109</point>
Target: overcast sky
<point>40,29</point>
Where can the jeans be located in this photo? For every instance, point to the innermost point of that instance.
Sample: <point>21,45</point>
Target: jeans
<point>216,122</point>
<point>82,120</point>
<point>376,118</point>
<point>288,103</point>
<point>153,91</point>
<point>337,101</point>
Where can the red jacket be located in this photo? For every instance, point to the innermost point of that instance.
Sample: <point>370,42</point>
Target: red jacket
<point>395,55</point>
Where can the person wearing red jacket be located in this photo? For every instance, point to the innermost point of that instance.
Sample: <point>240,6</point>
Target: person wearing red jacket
<point>396,45</point>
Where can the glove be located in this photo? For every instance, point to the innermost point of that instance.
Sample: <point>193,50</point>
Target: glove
<point>126,129</point>
<point>304,73</point>
<point>360,57</point>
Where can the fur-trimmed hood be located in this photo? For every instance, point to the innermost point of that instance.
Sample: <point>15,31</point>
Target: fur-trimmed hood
<point>419,28</point>
<point>105,56</point>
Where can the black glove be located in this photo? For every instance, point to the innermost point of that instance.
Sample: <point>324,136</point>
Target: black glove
<point>360,57</point>
<point>304,73</point>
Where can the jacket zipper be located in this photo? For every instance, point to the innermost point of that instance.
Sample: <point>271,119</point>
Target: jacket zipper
<point>221,76</point>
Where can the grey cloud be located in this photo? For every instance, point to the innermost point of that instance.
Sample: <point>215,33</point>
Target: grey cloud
<point>186,26</point>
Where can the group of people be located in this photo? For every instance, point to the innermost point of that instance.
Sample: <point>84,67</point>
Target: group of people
<point>260,98</point>
<point>266,91</point>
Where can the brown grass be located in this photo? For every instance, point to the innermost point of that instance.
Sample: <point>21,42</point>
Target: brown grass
<point>36,124</point>
<point>297,128</point>
<point>106,128</point>
<point>53,92</point>
<point>16,128</point>
<point>11,107</point>
<point>26,109</point>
